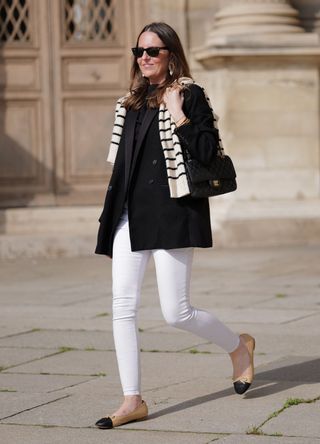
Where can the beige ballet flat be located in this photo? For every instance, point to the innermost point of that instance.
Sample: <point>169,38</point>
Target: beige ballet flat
<point>242,384</point>
<point>140,413</point>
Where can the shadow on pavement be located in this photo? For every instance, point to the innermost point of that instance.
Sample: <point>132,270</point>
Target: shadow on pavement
<point>294,371</point>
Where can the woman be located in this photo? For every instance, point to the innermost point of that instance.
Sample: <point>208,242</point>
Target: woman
<point>148,210</point>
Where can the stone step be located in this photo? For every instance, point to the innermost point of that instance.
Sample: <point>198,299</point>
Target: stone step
<point>71,231</point>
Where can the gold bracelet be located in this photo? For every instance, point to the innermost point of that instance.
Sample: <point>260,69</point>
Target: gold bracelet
<point>185,121</point>
<point>180,120</point>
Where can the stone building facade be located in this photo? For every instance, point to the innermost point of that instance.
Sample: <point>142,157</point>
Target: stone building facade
<point>63,63</point>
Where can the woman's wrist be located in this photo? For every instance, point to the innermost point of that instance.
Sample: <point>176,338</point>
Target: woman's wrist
<point>183,121</point>
<point>181,117</point>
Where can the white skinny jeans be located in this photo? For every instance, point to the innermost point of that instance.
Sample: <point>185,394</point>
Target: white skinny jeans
<point>173,271</point>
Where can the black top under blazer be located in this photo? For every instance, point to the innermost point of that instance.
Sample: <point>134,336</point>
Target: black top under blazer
<point>139,174</point>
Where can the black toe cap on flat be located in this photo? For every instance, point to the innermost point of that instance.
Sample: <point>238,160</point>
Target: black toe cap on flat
<point>104,423</point>
<point>241,387</point>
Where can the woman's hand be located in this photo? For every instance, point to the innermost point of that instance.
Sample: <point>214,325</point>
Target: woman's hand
<point>173,99</point>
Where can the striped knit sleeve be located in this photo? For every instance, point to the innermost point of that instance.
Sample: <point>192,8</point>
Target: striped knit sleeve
<point>119,117</point>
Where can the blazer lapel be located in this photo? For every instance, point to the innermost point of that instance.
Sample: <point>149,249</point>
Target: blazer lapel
<point>149,116</point>
<point>130,121</point>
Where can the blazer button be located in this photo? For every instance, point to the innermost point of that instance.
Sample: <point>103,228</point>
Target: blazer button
<point>109,187</point>
<point>154,162</point>
<point>151,181</point>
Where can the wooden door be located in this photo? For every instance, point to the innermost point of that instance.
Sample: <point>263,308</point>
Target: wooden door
<point>63,64</point>
<point>26,168</point>
<point>91,53</point>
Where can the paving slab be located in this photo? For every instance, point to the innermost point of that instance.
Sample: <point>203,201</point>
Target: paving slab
<point>76,362</point>
<point>288,344</point>
<point>38,383</point>
<point>297,301</point>
<point>248,439</point>
<point>99,387</point>
<point>179,367</point>
<point>297,420</point>
<point>6,331</point>
<point>206,416</point>
<point>12,357</point>
<point>61,338</point>
<point>12,404</point>
<point>102,301</point>
<point>185,366</point>
<point>71,363</point>
<point>307,327</point>
<point>57,435</point>
<point>97,322</point>
<point>170,409</point>
<point>207,412</point>
<point>212,404</point>
<point>292,368</point>
<point>52,297</point>
<point>55,312</point>
<point>74,410</point>
<point>217,298</point>
<point>99,340</point>
<point>245,315</point>
<point>269,390</point>
<point>71,270</point>
<point>199,386</point>
<point>271,292</point>
<point>151,341</point>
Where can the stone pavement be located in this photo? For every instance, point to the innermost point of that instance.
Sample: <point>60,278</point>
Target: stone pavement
<point>58,371</point>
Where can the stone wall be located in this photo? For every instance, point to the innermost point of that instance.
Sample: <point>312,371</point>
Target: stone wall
<point>259,62</point>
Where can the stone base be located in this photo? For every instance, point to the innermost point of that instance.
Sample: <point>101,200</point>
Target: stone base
<point>70,231</point>
<point>265,223</point>
<point>262,40</point>
<point>48,232</point>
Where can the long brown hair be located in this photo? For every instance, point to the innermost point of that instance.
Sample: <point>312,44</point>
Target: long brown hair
<point>178,64</point>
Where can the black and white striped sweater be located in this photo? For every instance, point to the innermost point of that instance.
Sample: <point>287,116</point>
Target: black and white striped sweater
<point>176,171</point>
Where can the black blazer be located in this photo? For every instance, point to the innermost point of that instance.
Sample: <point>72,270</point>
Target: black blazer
<point>155,219</point>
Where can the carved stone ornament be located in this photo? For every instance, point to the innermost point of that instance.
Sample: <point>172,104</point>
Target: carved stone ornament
<point>258,22</point>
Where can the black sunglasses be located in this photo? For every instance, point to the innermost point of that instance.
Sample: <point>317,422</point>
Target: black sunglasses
<point>152,51</point>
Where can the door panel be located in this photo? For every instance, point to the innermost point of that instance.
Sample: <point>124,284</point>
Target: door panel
<point>25,129</point>
<point>63,64</point>
<point>90,73</point>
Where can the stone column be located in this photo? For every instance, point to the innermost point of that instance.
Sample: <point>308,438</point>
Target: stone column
<point>261,71</point>
<point>317,23</point>
<point>258,23</point>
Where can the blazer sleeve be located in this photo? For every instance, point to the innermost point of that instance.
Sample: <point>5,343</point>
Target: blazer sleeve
<point>199,136</point>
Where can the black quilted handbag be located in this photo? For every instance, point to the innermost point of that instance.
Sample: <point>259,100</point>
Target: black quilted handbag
<point>217,178</point>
